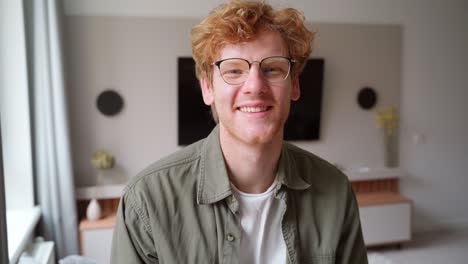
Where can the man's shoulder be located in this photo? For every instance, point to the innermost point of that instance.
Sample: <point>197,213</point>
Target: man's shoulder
<point>313,169</point>
<point>170,168</point>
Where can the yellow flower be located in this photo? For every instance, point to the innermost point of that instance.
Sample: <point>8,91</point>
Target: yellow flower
<point>102,160</point>
<point>387,119</point>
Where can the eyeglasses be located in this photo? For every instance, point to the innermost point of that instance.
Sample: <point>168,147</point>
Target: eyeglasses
<point>236,71</point>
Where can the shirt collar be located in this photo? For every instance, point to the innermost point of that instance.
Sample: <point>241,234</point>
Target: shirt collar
<point>288,173</point>
<point>213,180</point>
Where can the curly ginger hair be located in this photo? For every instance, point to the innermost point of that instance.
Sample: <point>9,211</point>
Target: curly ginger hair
<point>241,21</point>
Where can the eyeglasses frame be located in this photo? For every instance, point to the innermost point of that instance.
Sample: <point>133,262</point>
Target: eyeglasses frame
<point>291,63</point>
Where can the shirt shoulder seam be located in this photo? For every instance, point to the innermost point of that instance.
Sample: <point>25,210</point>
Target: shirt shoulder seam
<point>137,208</point>
<point>145,174</point>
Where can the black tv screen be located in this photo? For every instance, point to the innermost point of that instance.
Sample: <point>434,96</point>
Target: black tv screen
<point>194,117</point>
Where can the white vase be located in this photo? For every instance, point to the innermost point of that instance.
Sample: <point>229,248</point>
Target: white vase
<point>93,212</point>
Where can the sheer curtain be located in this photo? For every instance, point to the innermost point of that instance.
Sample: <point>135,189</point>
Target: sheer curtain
<point>52,153</point>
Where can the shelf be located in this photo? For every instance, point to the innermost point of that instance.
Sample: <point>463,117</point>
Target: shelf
<point>366,174</point>
<point>100,192</point>
<point>380,198</point>
<point>106,222</point>
<point>115,191</point>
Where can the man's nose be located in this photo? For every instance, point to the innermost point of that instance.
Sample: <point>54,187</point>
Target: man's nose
<point>255,82</point>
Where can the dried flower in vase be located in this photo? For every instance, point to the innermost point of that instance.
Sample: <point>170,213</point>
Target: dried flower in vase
<point>387,120</point>
<point>102,160</point>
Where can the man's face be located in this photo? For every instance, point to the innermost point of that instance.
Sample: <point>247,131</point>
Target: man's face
<point>255,111</point>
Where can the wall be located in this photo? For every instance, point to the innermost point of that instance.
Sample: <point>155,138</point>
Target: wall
<point>356,55</point>
<point>138,58</point>
<point>130,55</point>
<point>433,83</point>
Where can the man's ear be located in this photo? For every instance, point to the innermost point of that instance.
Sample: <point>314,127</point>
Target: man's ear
<point>295,90</point>
<point>207,91</point>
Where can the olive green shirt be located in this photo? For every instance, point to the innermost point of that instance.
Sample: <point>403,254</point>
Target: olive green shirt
<point>182,210</point>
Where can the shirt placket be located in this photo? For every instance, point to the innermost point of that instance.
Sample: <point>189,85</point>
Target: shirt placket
<point>232,235</point>
<point>288,227</point>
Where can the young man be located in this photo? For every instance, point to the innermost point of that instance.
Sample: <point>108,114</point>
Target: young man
<point>242,195</point>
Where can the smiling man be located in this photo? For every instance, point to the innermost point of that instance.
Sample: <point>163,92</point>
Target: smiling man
<point>242,195</point>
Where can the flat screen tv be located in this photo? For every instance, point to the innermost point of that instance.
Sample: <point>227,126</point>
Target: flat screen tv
<point>194,117</point>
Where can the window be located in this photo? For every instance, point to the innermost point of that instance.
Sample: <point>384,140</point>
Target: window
<point>3,234</point>
<point>15,130</point>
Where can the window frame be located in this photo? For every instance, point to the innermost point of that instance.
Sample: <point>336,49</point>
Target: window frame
<point>3,227</point>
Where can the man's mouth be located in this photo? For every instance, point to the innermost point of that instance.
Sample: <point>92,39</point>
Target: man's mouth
<point>255,109</point>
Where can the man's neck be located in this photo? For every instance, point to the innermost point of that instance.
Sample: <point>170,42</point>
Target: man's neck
<point>251,168</point>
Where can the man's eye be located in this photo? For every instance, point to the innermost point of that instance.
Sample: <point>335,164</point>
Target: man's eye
<point>271,70</point>
<point>232,72</point>
<point>235,71</point>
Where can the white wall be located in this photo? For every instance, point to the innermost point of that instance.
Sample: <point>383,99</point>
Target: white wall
<point>356,55</point>
<point>433,95</point>
<point>137,57</point>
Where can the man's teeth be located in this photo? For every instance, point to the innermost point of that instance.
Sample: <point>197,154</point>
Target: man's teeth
<point>254,109</point>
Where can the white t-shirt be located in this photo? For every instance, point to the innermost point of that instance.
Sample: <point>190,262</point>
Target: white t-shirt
<point>262,239</point>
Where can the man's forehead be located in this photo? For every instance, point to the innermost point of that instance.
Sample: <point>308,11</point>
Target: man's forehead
<point>265,44</point>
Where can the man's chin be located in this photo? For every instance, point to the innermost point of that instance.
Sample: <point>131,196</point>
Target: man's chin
<point>253,135</point>
<point>262,137</point>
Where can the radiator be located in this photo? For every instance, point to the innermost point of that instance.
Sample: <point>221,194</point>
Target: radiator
<point>38,252</point>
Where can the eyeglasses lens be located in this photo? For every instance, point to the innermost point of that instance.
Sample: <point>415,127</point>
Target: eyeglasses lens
<point>275,69</point>
<point>236,71</point>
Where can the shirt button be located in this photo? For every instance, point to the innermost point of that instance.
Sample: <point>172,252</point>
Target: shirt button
<point>230,237</point>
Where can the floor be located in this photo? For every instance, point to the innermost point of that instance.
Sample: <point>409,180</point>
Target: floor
<point>440,247</point>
